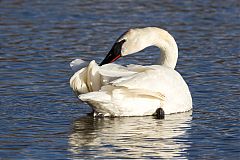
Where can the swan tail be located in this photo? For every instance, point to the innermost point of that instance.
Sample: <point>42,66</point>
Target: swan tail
<point>86,79</point>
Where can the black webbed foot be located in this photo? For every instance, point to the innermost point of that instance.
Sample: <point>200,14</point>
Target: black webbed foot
<point>159,113</point>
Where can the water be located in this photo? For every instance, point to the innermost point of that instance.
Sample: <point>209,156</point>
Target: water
<point>42,119</point>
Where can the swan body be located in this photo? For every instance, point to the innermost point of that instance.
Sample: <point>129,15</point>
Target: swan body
<point>134,90</point>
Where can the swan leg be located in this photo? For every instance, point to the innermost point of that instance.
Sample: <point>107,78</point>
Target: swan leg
<point>159,113</point>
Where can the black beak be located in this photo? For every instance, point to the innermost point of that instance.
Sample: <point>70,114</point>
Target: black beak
<point>114,53</point>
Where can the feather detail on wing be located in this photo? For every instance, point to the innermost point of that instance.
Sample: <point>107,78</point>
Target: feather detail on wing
<point>86,79</point>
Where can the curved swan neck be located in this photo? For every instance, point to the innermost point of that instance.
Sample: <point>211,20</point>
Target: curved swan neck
<point>168,47</point>
<point>140,38</point>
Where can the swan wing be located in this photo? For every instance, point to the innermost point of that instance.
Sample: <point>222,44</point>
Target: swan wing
<point>164,81</point>
<point>86,79</point>
<point>143,80</point>
<point>78,81</point>
<point>93,77</point>
<point>120,98</point>
<point>115,70</point>
<point>110,72</point>
<point>131,91</point>
<point>120,101</point>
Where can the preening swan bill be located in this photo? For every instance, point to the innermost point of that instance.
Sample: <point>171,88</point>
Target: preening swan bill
<point>133,90</point>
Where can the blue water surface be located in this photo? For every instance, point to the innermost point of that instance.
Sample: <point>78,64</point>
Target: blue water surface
<point>42,119</point>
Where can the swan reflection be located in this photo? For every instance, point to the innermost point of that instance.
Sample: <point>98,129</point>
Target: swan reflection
<point>130,137</point>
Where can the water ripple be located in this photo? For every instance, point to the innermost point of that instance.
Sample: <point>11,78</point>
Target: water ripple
<point>41,117</point>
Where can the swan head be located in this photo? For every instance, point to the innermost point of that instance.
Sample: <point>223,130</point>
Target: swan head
<point>135,40</point>
<point>130,42</point>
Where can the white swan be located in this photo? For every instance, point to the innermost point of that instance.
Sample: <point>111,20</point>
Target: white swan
<point>135,90</point>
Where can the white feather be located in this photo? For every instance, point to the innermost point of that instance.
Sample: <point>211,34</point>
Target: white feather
<point>135,90</point>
